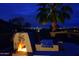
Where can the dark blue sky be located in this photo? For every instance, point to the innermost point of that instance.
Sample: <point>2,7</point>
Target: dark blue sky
<point>29,12</point>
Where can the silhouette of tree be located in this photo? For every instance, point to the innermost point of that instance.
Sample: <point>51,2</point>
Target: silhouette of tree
<point>53,12</point>
<point>19,23</point>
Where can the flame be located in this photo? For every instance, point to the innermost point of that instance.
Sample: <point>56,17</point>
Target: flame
<point>21,47</point>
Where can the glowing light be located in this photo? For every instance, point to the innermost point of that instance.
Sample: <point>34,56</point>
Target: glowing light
<point>21,47</point>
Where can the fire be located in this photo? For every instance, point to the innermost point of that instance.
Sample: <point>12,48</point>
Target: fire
<point>21,47</point>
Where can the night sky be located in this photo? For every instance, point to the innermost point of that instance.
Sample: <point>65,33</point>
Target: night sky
<point>29,11</point>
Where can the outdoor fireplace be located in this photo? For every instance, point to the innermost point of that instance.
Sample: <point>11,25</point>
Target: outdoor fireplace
<point>22,44</point>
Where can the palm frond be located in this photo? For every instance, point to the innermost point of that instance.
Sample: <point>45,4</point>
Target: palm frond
<point>43,21</point>
<point>41,14</point>
<point>60,18</point>
<point>43,9</point>
<point>58,4</point>
<point>66,9</point>
<point>41,4</point>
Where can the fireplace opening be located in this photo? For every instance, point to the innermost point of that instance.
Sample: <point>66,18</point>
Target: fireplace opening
<point>21,46</point>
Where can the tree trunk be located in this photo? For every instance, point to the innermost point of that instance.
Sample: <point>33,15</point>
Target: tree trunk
<point>54,20</point>
<point>54,25</point>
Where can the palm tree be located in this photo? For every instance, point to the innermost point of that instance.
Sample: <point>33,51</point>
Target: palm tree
<point>53,12</point>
